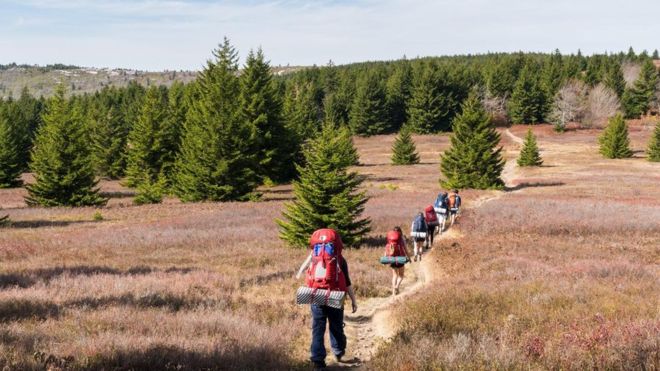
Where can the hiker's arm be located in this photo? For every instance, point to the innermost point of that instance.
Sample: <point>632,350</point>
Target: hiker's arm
<point>304,265</point>
<point>351,294</point>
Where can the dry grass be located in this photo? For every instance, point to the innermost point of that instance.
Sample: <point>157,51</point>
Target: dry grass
<point>561,274</point>
<point>573,284</point>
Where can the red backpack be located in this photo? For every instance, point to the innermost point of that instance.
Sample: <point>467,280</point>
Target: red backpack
<point>394,247</point>
<point>430,216</point>
<point>325,271</point>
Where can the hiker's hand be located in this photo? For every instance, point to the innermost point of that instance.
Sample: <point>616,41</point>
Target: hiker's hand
<point>353,306</point>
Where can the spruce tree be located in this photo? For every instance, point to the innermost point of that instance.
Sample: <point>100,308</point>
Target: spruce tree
<point>327,195</point>
<point>404,151</point>
<point>654,144</point>
<point>146,151</point>
<point>10,152</point>
<point>430,106</point>
<point>552,74</point>
<point>398,93</point>
<point>261,110</point>
<point>369,109</point>
<point>108,141</point>
<point>614,78</point>
<point>614,142</point>
<point>27,120</point>
<point>346,151</point>
<point>177,107</point>
<point>61,159</point>
<point>528,102</point>
<point>301,112</point>
<point>150,191</point>
<point>215,159</point>
<point>637,100</point>
<point>529,155</point>
<point>474,159</point>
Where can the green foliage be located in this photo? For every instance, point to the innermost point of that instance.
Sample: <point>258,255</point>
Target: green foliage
<point>653,149</point>
<point>431,104</point>
<point>529,155</point>
<point>150,191</point>
<point>261,111</point>
<point>637,100</point>
<point>528,102</point>
<point>614,142</point>
<point>10,151</point>
<point>345,150</point>
<point>614,78</point>
<point>398,93</point>
<point>302,113</point>
<point>552,74</point>
<point>61,159</point>
<point>216,160</point>
<point>177,108</point>
<point>108,142</point>
<point>97,217</point>
<point>473,160</point>
<point>369,109</point>
<point>404,151</point>
<point>146,150</point>
<point>327,195</point>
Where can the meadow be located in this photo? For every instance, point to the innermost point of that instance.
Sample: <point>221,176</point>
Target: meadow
<point>560,270</point>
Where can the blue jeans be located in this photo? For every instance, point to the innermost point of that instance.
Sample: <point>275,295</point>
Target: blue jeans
<point>337,337</point>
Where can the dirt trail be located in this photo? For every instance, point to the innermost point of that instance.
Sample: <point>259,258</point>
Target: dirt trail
<point>373,323</point>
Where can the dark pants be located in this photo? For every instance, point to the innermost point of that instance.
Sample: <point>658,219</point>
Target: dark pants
<point>337,338</point>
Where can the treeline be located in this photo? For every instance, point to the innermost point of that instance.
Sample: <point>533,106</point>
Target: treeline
<point>237,127</point>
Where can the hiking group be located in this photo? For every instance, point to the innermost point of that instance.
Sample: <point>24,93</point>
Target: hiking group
<point>328,281</point>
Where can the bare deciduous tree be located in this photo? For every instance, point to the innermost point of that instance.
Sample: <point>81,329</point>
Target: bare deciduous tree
<point>569,104</point>
<point>631,72</point>
<point>495,106</point>
<point>602,103</point>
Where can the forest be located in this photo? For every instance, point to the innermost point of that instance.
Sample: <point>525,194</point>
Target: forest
<point>238,127</point>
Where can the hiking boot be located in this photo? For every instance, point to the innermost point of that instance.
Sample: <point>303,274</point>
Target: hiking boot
<point>319,365</point>
<point>339,356</point>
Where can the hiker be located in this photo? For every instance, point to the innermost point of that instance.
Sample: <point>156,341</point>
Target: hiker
<point>396,246</point>
<point>327,269</point>
<point>431,219</point>
<point>441,210</point>
<point>454,201</point>
<point>418,231</point>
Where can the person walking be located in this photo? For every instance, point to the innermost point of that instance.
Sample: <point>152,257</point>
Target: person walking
<point>327,270</point>
<point>418,231</point>
<point>396,247</point>
<point>454,201</point>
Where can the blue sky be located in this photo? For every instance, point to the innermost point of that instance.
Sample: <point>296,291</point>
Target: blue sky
<point>180,34</point>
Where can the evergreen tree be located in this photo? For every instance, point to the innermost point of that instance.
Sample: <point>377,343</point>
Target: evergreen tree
<point>430,106</point>
<point>655,54</point>
<point>369,109</point>
<point>61,159</point>
<point>654,144</point>
<point>150,191</point>
<point>637,100</point>
<point>529,155</point>
<point>473,160</point>
<point>215,160</point>
<point>404,151</point>
<point>177,107</point>
<point>27,121</point>
<point>327,195</point>
<point>344,147</point>
<point>146,151</point>
<point>398,93</point>
<point>261,110</point>
<point>10,152</point>
<point>614,78</point>
<point>552,74</point>
<point>528,102</point>
<point>301,112</point>
<point>614,142</point>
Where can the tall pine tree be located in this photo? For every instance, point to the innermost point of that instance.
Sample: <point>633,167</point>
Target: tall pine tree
<point>614,141</point>
<point>529,155</point>
<point>430,106</point>
<point>177,108</point>
<point>146,150</point>
<point>474,159</point>
<point>637,100</point>
<point>369,110</point>
<point>10,151</point>
<point>261,110</point>
<point>614,78</point>
<point>215,161</point>
<point>398,93</point>
<point>654,144</point>
<point>327,195</point>
<point>528,102</point>
<point>61,159</point>
<point>404,151</point>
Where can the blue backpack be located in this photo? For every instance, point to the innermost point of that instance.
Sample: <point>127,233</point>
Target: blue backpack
<point>419,224</point>
<point>440,202</point>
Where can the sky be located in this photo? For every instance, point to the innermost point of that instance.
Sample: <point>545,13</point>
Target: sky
<point>180,34</point>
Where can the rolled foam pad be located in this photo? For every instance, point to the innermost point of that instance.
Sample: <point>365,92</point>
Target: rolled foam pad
<point>418,234</point>
<point>307,295</point>
<point>393,260</point>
